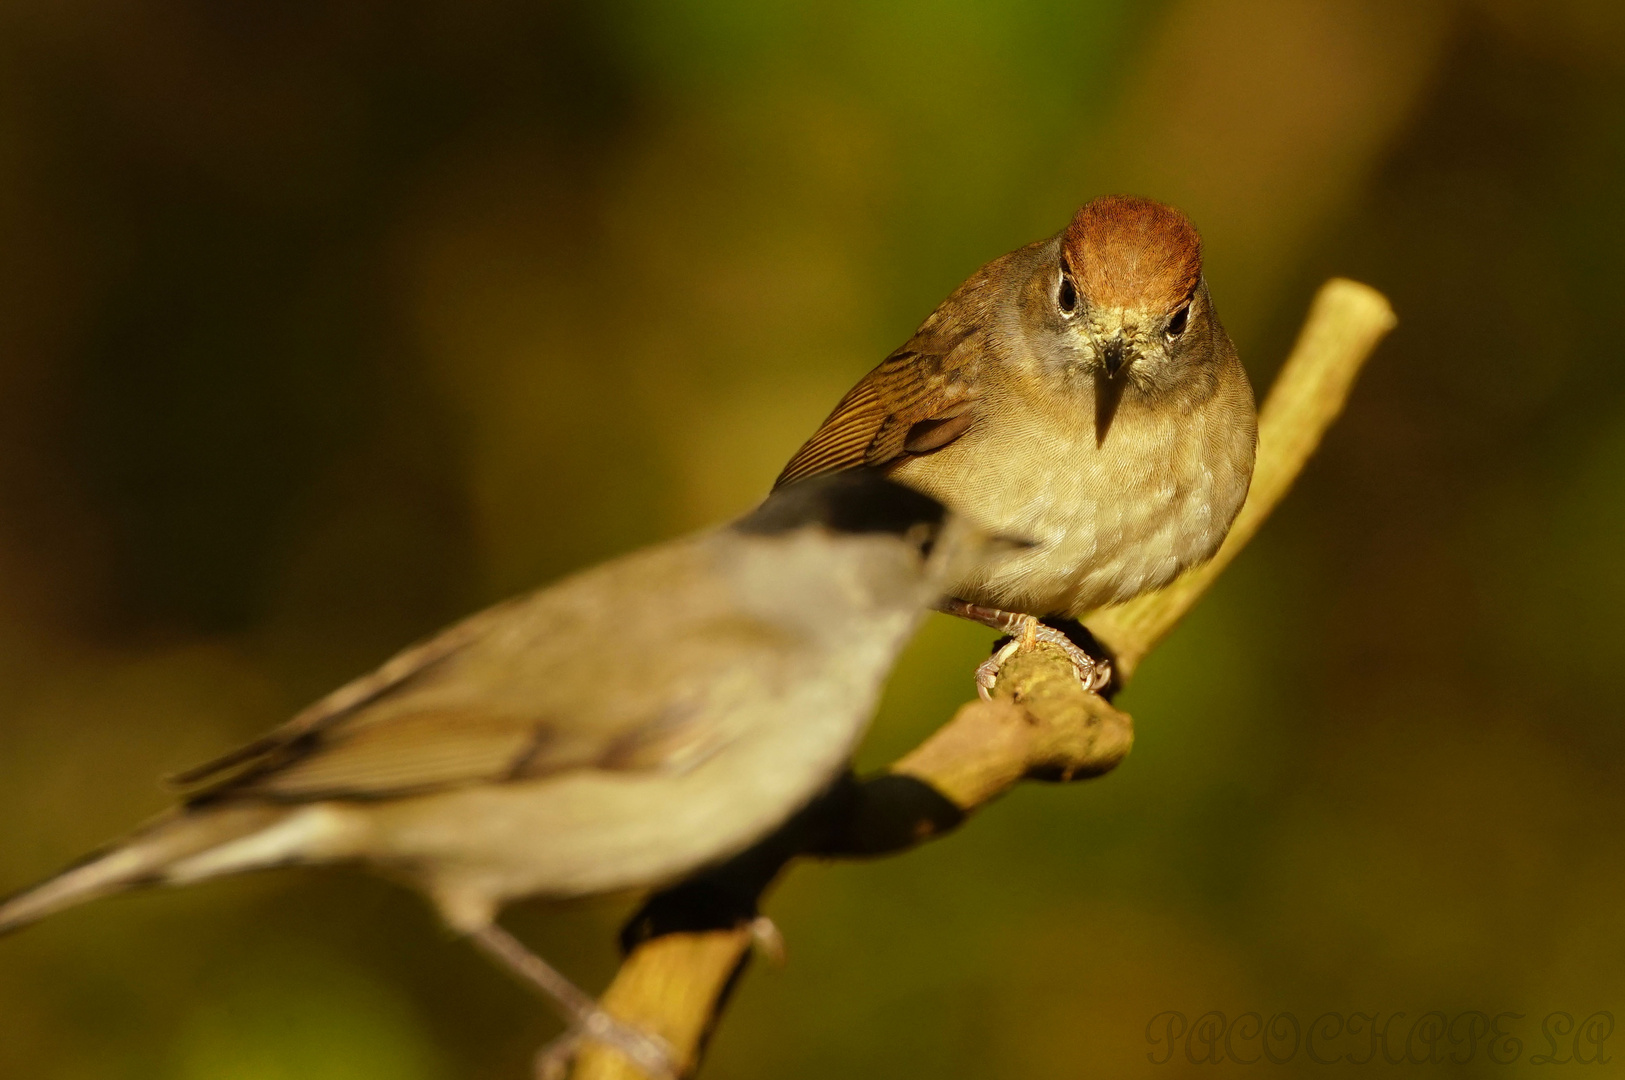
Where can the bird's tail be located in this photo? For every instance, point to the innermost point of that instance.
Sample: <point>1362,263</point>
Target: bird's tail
<point>173,848</point>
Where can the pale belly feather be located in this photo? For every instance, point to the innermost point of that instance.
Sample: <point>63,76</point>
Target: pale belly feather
<point>1109,522</point>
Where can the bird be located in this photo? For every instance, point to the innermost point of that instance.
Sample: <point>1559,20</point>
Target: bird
<point>621,729</point>
<point>1081,392</point>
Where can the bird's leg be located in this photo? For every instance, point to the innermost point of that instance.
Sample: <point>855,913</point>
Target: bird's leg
<point>1005,622</point>
<point>1025,631</point>
<point>586,1018</point>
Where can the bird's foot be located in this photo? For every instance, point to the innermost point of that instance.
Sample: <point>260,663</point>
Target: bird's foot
<point>1093,673</point>
<point>650,1053</point>
<point>587,1019</point>
<point>768,939</point>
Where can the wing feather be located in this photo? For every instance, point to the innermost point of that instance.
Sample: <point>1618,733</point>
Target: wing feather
<point>872,424</point>
<point>531,687</point>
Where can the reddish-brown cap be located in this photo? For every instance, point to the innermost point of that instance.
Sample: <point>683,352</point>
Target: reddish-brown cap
<point>1130,252</point>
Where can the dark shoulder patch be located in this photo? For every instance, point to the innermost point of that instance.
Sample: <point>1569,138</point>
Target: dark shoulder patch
<point>853,501</point>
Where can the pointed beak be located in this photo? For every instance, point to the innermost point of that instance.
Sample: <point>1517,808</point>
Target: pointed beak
<point>1111,354</point>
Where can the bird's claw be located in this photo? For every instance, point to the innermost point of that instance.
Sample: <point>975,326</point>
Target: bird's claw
<point>987,673</point>
<point>650,1053</point>
<point>768,938</point>
<point>1093,674</point>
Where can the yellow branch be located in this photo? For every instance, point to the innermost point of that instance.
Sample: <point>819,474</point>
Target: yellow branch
<point>1041,725</point>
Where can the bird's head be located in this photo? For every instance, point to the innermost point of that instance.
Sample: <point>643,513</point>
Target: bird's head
<point>1125,295</point>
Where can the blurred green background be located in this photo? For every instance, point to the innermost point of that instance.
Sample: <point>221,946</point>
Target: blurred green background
<point>323,324</point>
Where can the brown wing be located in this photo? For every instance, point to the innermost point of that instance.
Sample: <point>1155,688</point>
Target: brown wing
<point>532,687</point>
<point>911,404</point>
<point>329,710</point>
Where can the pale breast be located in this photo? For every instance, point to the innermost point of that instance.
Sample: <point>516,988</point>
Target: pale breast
<point>1110,521</point>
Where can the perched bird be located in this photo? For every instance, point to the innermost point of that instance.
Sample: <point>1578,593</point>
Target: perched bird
<point>620,729</point>
<point>1079,392</point>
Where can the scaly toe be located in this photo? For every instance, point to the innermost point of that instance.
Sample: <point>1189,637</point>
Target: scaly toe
<point>650,1053</point>
<point>987,673</point>
<point>1102,676</point>
<point>553,1060</point>
<point>1093,674</point>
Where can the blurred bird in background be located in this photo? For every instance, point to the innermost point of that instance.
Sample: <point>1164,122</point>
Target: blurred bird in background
<point>617,730</point>
<point>1080,391</point>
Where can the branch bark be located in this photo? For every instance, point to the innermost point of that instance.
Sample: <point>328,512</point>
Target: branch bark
<point>687,947</point>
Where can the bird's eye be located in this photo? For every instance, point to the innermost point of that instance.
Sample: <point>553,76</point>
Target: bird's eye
<point>1176,325</point>
<point>1066,298</point>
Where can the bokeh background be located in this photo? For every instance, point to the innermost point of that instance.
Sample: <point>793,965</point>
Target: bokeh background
<point>323,324</point>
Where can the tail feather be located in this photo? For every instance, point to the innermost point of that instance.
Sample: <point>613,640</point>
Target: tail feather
<point>141,859</point>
